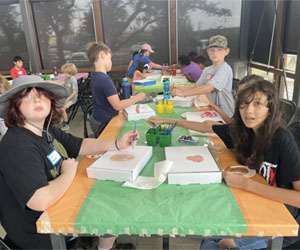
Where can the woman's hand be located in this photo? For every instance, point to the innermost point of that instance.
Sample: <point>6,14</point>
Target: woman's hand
<point>153,120</point>
<point>69,166</point>
<point>126,140</point>
<point>236,180</point>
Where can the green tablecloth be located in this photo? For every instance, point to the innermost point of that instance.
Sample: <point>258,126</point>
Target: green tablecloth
<point>169,209</point>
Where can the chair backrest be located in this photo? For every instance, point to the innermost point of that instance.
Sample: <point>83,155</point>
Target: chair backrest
<point>289,110</point>
<point>88,112</point>
<point>294,128</point>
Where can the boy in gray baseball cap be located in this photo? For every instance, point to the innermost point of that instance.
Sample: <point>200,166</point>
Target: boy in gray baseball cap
<point>216,80</point>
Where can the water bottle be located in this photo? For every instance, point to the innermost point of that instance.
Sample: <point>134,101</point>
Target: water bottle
<point>125,88</point>
<point>166,89</point>
<point>55,73</point>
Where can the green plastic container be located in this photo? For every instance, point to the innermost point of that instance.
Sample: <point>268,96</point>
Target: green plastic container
<point>151,136</point>
<point>164,140</point>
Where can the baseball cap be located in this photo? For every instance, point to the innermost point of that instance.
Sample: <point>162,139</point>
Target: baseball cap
<point>147,46</point>
<point>218,41</point>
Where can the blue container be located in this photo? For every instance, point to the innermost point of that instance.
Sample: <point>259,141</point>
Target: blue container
<point>166,89</point>
<point>125,88</point>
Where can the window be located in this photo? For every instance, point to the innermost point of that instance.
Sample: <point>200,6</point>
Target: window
<point>198,20</point>
<point>12,37</point>
<point>128,24</point>
<point>63,30</point>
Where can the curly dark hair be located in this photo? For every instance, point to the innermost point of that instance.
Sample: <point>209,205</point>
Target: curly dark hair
<point>250,147</point>
<point>14,117</point>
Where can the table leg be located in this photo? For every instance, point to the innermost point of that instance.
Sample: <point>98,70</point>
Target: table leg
<point>276,243</point>
<point>166,243</point>
<point>58,241</point>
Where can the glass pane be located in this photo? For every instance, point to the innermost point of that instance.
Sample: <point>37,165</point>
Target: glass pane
<point>290,89</point>
<point>63,29</point>
<point>127,24</point>
<point>198,20</point>
<point>290,62</point>
<point>12,37</point>
<point>266,75</point>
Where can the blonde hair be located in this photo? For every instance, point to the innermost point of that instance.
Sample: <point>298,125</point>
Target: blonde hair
<point>93,49</point>
<point>4,83</point>
<point>69,68</point>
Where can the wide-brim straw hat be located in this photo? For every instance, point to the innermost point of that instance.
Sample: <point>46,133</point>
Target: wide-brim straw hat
<point>31,81</point>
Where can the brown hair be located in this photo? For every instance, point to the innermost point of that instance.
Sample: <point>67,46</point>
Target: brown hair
<point>69,68</point>
<point>250,147</point>
<point>93,49</point>
<point>14,117</point>
<point>4,83</point>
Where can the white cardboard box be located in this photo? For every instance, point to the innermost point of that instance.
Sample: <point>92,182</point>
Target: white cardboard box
<point>186,171</point>
<point>201,117</point>
<point>105,169</point>
<point>134,114</point>
<point>180,101</point>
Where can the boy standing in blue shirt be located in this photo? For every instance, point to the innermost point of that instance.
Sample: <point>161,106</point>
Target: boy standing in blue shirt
<point>216,80</point>
<point>105,97</point>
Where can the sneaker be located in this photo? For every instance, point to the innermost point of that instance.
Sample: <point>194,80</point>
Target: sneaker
<point>65,127</point>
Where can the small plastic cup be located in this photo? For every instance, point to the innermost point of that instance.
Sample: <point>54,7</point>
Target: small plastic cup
<point>169,107</point>
<point>160,108</point>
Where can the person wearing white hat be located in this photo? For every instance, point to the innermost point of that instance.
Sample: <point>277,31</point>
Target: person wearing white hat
<point>37,159</point>
<point>142,55</point>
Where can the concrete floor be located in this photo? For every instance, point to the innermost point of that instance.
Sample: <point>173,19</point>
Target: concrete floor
<point>141,243</point>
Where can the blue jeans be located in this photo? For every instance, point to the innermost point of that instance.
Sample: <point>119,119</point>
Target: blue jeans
<point>243,244</point>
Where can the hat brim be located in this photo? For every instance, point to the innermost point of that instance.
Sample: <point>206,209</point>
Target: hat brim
<point>55,88</point>
<point>217,45</point>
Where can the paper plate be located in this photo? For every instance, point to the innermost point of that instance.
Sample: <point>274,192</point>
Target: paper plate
<point>251,172</point>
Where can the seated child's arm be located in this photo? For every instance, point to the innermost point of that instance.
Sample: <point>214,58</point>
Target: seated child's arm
<point>204,127</point>
<point>46,196</point>
<point>195,91</point>
<point>189,77</point>
<point>156,66</point>
<point>225,117</point>
<point>118,104</point>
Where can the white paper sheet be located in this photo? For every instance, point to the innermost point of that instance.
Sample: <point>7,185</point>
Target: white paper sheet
<point>161,170</point>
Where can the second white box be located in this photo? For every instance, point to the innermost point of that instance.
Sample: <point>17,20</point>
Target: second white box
<point>193,164</point>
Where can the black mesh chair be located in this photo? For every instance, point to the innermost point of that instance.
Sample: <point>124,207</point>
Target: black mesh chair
<point>86,117</point>
<point>84,98</point>
<point>289,110</point>
<point>294,128</point>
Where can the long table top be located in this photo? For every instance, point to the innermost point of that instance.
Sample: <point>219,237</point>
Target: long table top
<point>264,217</point>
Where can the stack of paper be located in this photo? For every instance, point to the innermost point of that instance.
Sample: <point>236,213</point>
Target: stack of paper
<point>138,112</point>
<point>123,165</point>
<point>193,164</point>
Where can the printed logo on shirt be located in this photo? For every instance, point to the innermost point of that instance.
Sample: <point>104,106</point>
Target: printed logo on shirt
<point>20,72</point>
<point>209,76</point>
<point>268,171</point>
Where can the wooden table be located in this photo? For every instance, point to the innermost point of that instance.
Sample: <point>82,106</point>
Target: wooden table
<point>264,217</point>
